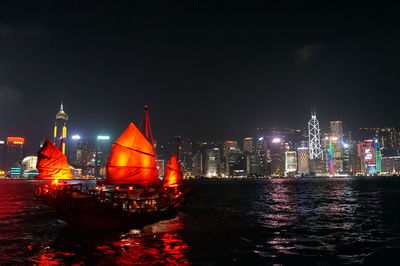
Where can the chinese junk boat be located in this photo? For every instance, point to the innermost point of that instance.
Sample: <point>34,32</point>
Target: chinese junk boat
<point>131,194</point>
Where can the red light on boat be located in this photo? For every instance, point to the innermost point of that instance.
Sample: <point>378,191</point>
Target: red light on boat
<point>116,188</point>
<point>131,188</point>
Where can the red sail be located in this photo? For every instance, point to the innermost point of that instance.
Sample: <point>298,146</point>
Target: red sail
<point>52,163</point>
<point>173,174</point>
<point>132,160</point>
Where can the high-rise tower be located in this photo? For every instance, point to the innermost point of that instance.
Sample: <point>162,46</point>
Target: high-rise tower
<point>60,128</point>
<point>314,137</point>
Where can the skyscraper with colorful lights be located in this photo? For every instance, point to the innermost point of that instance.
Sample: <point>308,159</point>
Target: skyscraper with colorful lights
<point>60,129</point>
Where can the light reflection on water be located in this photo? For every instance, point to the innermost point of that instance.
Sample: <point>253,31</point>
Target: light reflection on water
<point>288,221</point>
<point>159,243</point>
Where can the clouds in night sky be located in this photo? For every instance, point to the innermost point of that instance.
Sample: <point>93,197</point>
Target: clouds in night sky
<point>308,52</point>
<point>11,95</point>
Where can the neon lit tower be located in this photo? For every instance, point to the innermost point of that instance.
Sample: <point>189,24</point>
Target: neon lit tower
<point>60,128</point>
<point>378,155</point>
<point>331,166</point>
<point>314,137</point>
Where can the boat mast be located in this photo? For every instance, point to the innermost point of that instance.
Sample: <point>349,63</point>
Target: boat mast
<point>148,133</point>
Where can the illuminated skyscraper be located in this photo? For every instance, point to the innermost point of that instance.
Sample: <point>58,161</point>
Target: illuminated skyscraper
<point>277,150</point>
<point>303,157</point>
<point>103,149</point>
<point>290,162</point>
<point>314,137</point>
<point>248,145</point>
<point>337,129</point>
<point>14,155</point>
<point>212,162</point>
<point>60,128</point>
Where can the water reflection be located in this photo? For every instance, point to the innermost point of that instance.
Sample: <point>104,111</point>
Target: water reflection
<point>160,243</point>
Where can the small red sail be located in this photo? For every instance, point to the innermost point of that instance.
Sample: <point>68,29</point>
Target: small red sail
<point>52,163</point>
<point>132,160</point>
<point>173,174</point>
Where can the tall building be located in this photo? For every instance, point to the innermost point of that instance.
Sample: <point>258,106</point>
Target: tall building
<point>229,154</point>
<point>303,160</point>
<point>290,163</point>
<point>388,137</point>
<point>212,162</point>
<point>333,151</point>
<point>314,138</point>
<point>367,155</point>
<point>235,163</point>
<point>197,164</point>
<point>347,157</point>
<point>73,144</point>
<point>277,151</point>
<point>337,129</point>
<point>85,157</point>
<point>253,165</point>
<point>103,149</point>
<point>185,156</point>
<point>3,149</point>
<point>14,152</point>
<point>248,145</point>
<point>60,129</point>
<point>260,151</point>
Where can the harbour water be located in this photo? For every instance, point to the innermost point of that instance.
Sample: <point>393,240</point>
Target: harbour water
<point>225,222</point>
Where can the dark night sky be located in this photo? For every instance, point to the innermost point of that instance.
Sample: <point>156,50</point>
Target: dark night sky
<point>207,69</point>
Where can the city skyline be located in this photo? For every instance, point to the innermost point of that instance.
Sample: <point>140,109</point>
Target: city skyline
<point>33,144</point>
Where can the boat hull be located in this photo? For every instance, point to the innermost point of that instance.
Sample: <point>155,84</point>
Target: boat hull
<point>83,210</point>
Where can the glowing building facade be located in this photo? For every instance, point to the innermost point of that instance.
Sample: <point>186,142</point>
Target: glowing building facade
<point>303,160</point>
<point>290,162</point>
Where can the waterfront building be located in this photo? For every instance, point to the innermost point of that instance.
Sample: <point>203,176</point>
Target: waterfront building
<point>248,145</point>
<point>303,160</point>
<point>337,129</point>
<point>314,138</point>
<point>85,157</point>
<point>388,137</point>
<point>212,162</point>
<point>3,150</point>
<point>60,129</point>
<point>253,165</point>
<point>73,149</point>
<point>28,167</point>
<point>347,156</point>
<point>290,163</point>
<point>197,164</point>
<point>230,151</point>
<point>261,151</point>
<point>367,155</point>
<point>333,154</point>
<point>391,165</point>
<point>277,153</point>
<point>14,153</point>
<point>185,156</point>
<point>235,163</point>
<point>102,151</point>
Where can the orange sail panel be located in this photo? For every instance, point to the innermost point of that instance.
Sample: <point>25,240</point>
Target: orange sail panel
<point>132,160</point>
<point>173,174</point>
<point>52,163</point>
